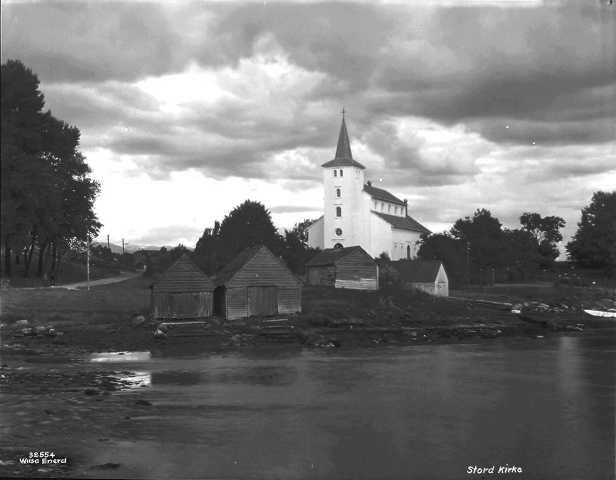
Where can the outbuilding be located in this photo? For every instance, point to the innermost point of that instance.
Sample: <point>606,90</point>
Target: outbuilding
<point>182,292</point>
<point>256,283</point>
<point>426,275</point>
<point>349,267</point>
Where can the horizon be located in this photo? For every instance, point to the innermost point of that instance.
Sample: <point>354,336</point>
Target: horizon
<point>186,110</point>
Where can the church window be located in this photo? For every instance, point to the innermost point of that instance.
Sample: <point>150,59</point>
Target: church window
<point>376,204</point>
<point>341,172</point>
<point>335,173</point>
<point>338,245</point>
<point>382,207</point>
<point>339,231</point>
<point>338,192</point>
<point>338,212</point>
<point>408,252</point>
<point>388,208</point>
<point>396,210</point>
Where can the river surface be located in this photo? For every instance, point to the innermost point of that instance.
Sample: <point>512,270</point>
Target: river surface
<point>544,405</point>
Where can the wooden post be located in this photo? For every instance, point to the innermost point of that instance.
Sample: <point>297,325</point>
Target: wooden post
<point>88,261</point>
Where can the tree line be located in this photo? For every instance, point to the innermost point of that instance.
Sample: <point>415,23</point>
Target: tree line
<point>47,193</point>
<point>477,249</point>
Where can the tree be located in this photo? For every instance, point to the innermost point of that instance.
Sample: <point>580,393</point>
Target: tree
<point>546,232</point>
<point>594,244</point>
<point>47,196</point>
<point>483,236</point>
<point>246,225</point>
<point>296,251</point>
<point>451,251</point>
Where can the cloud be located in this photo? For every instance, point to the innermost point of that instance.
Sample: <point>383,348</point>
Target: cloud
<point>482,105</point>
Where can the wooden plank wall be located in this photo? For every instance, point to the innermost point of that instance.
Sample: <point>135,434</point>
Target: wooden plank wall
<point>183,305</point>
<point>357,270</point>
<point>289,300</point>
<point>361,284</point>
<point>236,303</point>
<point>262,300</point>
<point>322,275</point>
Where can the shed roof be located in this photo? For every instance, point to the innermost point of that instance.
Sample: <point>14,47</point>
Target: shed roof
<point>329,256</point>
<point>381,194</point>
<point>183,277</point>
<point>403,223</point>
<point>418,271</point>
<point>226,274</point>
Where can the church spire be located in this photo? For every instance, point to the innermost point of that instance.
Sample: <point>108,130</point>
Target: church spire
<point>343,150</point>
<point>344,157</point>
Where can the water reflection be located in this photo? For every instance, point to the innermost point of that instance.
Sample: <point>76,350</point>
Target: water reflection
<point>133,380</point>
<point>120,357</point>
<point>177,377</point>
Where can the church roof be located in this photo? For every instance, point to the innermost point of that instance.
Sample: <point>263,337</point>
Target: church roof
<point>344,157</point>
<point>418,271</point>
<point>403,223</point>
<point>381,194</point>
<point>183,277</point>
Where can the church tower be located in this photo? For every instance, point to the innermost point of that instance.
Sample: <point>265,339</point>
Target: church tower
<point>343,181</point>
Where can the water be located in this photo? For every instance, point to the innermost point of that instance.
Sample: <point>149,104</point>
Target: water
<point>543,405</point>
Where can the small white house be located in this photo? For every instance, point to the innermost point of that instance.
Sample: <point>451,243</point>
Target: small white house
<point>426,275</point>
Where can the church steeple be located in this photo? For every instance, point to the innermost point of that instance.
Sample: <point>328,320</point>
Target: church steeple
<point>343,150</point>
<point>344,157</point>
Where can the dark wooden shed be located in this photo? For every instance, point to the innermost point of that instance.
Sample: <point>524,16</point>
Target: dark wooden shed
<point>182,292</point>
<point>256,283</point>
<point>349,267</point>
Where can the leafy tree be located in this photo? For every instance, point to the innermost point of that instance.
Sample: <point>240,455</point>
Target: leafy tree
<point>246,225</point>
<point>47,196</point>
<point>451,251</point>
<point>296,251</point>
<point>483,235</point>
<point>594,244</point>
<point>546,232</point>
<point>249,224</point>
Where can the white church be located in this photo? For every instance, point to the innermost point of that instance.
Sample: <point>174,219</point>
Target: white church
<point>357,213</point>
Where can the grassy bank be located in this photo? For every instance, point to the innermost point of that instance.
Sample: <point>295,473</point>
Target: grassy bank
<point>104,318</point>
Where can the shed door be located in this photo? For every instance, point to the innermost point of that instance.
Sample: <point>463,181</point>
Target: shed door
<point>262,300</point>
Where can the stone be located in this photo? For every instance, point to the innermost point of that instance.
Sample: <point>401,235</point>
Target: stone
<point>137,320</point>
<point>22,323</point>
<point>143,403</point>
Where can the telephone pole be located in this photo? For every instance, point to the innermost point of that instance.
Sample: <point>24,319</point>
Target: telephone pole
<point>122,246</point>
<point>108,241</point>
<point>88,261</point>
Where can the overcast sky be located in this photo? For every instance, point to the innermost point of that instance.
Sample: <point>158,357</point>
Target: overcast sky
<point>187,109</point>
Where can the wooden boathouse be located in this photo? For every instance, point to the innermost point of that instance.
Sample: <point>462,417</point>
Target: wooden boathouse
<point>256,283</point>
<point>349,267</point>
<point>183,292</point>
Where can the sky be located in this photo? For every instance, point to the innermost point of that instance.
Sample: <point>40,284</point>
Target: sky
<point>186,109</point>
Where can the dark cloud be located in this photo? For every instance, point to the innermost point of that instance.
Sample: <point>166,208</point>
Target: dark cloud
<point>546,73</point>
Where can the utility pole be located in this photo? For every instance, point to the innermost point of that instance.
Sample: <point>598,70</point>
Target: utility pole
<point>88,261</point>
<point>468,263</point>
<point>108,241</point>
<point>122,246</point>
